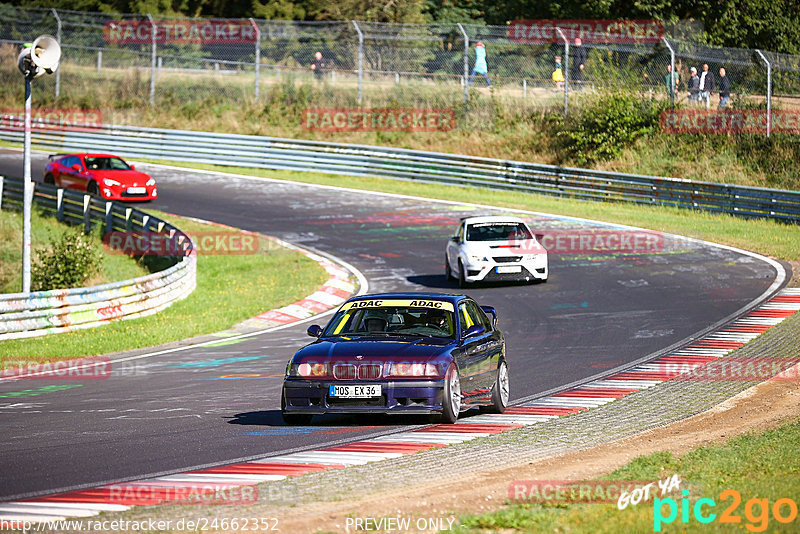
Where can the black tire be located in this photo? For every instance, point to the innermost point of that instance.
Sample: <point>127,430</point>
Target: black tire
<point>447,272</point>
<point>451,396</point>
<point>294,419</point>
<point>462,277</point>
<point>49,179</point>
<point>92,189</point>
<point>499,390</point>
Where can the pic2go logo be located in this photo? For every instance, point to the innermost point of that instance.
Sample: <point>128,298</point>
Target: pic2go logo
<point>756,511</point>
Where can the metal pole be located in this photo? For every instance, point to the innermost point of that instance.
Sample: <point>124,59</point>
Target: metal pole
<point>671,71</point>
<point>566,70</point>
<point>58,38</point>
<point>360,59</point>
<point>152,61</point>
<point>258,52</point>
<point>769,92</point>
<point>99,59</point>
<point>27,193</point>
<point>466,62</point>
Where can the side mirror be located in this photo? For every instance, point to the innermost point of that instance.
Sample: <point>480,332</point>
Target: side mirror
<point>474,330</point>
<point>314,330</point>
<point>454,239</point>
<point>491,312</point>
<point>77,167</point>
<point>133,167</point>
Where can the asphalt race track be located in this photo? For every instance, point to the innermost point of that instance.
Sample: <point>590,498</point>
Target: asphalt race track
<point>182,409</point>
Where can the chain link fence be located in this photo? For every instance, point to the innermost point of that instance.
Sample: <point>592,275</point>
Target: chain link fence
<point>130,61</point>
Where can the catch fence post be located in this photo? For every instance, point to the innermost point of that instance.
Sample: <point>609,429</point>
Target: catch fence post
<point>58,38</point>
<point>769,91</point>
<point>466,62</point>
<point>258,53</point>
<point>566,70</point>
<point>360,58</point>
<point>153,30</point>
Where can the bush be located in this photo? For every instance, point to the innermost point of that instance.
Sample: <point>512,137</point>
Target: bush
<point>609,124</point>
<point>68,262</point>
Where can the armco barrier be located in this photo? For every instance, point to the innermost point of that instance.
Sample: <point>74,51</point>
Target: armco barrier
<point>61,310</point>
<point>362,160</point>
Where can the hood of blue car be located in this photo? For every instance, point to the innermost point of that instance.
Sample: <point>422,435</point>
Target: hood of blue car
<point>376,348</point>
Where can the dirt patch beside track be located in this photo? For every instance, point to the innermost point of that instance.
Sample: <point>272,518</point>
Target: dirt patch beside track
<point>756,409</point>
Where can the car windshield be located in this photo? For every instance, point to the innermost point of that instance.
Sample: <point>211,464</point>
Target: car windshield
<point>104,163</point>
<point>497,231</point>
<point>413,317</point>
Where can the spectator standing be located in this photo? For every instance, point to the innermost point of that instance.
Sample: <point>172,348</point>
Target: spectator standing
<point>707,85</point>
<point>480,64</point>
<point>724,89</point>
<point>671,80</point>
<point>579,63</point>
<point>694,86</point>
<point>318,66</point>
<point>558,74</point>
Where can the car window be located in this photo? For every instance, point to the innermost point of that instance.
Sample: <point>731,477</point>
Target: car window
<point>392,319</point>
<point>492,231</point>
<point>478,316</point>
<point>70,161</point>
<point>465,317</point>
<point>460,233</point>
<point>106,164</point>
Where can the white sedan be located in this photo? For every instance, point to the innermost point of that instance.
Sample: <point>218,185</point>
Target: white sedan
<point>495,248</point>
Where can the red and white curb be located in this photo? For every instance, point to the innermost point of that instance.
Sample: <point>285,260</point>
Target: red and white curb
<point>160,490</point>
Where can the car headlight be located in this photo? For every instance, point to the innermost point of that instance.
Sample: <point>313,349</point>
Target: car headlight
<point>413,369</point>
<point>110,182</point>
<point>309,370</point>
<point>151,181</point>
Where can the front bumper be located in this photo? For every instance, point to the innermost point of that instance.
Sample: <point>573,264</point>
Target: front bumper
<point>399,396</point>
<point>121,193</point>
<point>492,271</point>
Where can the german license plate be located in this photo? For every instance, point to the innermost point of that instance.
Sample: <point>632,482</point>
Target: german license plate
<point>509,269</point>
<point>136,190</point>
<point>355,392</point>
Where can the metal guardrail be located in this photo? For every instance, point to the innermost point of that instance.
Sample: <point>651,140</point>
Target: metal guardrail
<point>364,160</point>
<point>60,310</point>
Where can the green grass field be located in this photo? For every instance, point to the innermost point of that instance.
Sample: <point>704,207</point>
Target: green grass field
<point>230,289</point>
<point>45,230</point>
<point>763,466</point>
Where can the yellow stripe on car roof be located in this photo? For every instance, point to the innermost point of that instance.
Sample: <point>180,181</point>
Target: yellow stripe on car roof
<point>409,303</point>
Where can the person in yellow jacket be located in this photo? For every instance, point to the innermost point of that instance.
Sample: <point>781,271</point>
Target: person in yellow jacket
<point>558,74</point>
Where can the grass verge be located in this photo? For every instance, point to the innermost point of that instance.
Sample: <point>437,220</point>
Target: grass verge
<point>767,237</point>
<point>46,230</point>
<point>761,466</point>
<point>230,289</point>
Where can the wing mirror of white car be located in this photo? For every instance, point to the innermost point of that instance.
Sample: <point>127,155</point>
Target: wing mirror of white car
<point>474,330</point>
<point>454,239</point>
<point>314,330</point>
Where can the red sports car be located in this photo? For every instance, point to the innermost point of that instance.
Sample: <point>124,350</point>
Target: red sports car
<point>105,175</point>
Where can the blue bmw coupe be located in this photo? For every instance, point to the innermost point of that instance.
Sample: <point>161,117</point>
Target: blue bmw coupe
<point>420,353</point>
